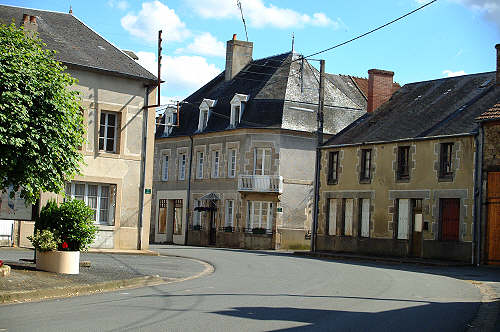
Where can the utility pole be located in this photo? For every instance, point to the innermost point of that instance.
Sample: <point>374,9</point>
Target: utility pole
<point>321,103</point>
<point>159,66</point>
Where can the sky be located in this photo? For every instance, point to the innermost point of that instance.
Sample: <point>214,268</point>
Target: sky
<point>446,38</point>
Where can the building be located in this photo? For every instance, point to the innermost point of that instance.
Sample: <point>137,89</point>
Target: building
<point>118,154</point>
<point>237,166</point>
<point>403,180</point>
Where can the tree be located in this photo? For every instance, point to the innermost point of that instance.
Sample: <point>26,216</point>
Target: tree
<point>41,122</point>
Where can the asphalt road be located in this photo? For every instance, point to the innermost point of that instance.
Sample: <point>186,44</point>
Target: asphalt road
<point>261,291</point>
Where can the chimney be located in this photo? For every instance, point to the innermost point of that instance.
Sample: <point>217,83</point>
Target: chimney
<point>29,23</point>
<point>238,55</point>
<point>379,88</point>
<point>497,46</point>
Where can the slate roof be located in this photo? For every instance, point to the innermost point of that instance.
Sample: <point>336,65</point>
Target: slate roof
<point>76,44</point>
<point>491,114</point>
<point>273,84</point>
<point>447,106</point>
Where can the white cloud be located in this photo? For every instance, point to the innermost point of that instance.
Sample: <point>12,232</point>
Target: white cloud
<point>205,44</point>
<point>259,15</point>
<point>489,8</point>
<point>122,5</point>
<point>180,72</point>
<point>155,16</point>
<point>450,73</point>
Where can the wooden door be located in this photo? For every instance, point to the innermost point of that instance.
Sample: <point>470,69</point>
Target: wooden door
<point>450,219</point>
<point>416,238</point>
<point>493,203</point>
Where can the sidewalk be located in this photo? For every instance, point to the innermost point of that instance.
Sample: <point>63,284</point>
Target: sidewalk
<point>108,270</point>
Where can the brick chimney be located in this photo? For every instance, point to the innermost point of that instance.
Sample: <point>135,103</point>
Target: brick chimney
<point>29,23</point>
<point>379,87</point>
<point>238,55</point>
<point>497,46</point>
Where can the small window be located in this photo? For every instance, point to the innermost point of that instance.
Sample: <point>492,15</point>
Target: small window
<point>403,162</point>
<point>235,115</point>
<point>182,166</point>
<point>199,166</point>
<point>366,161</point>
<point>333,167</point>
<point>203,119</point>
<point>232,163</point>
<point>262,162</point>
<point>229,213</point>
<point>215,164</point>
<point>107,132</point>
<point>164,176</point>
<point>445,162</point>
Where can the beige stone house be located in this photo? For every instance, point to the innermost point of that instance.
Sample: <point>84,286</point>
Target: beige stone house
<point>404,180</point>
<point>237,168</point>
<point>118,154</point>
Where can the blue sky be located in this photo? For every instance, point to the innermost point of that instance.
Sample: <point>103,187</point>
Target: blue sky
<point>449,37</point>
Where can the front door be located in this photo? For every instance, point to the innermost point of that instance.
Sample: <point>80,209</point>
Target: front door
<point>493,203</point>
<point>417,221</point>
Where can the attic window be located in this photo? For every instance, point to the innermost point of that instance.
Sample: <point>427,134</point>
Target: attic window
<point>205,106</point>
<point>170,120</point>
<point>237,107</point>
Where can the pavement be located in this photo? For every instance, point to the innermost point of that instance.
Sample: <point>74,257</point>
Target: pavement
<point>100,271</point>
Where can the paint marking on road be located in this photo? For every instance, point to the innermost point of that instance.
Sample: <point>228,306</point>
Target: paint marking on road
<point>125,293</point>
<point>188,290</point>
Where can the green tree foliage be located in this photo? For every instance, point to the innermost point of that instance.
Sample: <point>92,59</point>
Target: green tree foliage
<point>41,122</point>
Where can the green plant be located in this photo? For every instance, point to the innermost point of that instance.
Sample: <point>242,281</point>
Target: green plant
<point>258,230</point>
<point>41,121</point>
<point>72,222</point>
<point>44,240</point>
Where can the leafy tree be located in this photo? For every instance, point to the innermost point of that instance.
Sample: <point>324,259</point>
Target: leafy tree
<point>41,123</point>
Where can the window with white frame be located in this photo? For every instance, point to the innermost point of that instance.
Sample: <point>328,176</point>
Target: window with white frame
<point>215,163</point>
<point>199,165</point>
<point>203,119</point>
<point>107,132</point>
<point>182,166</point>
<point>231,166</point>
<point>205,106</point>
<point>164,174</point>
<point>235,115</point>
<point>229,213</point>
<point>259,215</point>
<point>262,161</point>
<point>237,108</point>
<point>101,198</point>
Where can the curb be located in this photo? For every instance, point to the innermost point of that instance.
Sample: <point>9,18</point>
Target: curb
<point>111,252</point>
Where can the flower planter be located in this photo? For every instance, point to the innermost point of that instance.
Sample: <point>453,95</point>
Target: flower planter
<point>67,262</point>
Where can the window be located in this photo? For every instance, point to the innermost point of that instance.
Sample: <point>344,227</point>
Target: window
<point>215,164</point>
<point>203,119</point>
<point>197,214</point>
<point>164,174</point>
<point>237,108</point>
<point>178,216</point>
<point>348,214</point>
<point>162,216</point>
<point>229,213</point>
<point>262,162</point>
<point>260,215</point>
<point>107,132</point>
<point>445,168</point>
<point>364,206</point>
<point>232,163</point>
<point>182,166</point>
<point>100,198</point>
<point>333,167</point>
<point>332,216</point>
<point>205,107</point>
<point>235,115</point>
<point>450,218</point>
<point>366,161</point>
<point>199,166</point>
<point>403,163</point>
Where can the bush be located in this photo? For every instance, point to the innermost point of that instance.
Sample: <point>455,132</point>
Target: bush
<point>44,240</point>
<point>71,222</point>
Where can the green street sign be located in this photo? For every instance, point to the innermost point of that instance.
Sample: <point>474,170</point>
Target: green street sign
<point>280,209</point>
<point>147,191</point>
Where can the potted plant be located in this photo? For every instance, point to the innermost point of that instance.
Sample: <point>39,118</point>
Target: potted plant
<point>61,232</point>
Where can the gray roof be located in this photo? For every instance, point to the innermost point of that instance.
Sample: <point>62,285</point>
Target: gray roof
<point>442,107</point>
<point>76,44</point>
<point>283,93</point>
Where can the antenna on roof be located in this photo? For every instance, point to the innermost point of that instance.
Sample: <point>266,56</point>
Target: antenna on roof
<point>238,3</point>
<point>70,9</point>
<point>293,41</point>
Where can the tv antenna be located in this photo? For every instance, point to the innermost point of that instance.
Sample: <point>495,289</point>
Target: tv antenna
<point>238,2</point>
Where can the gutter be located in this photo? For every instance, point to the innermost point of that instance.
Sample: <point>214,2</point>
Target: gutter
<point>107,71</point>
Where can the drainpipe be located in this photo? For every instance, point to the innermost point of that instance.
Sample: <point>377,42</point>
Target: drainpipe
<point>143,169</point>
<point>188,206</point>
<point>479,195</point>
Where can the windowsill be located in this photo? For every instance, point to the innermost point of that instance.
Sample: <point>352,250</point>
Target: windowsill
<point>403,179</point>
<point>330,183</point>
<point>446,178</point>
<point>103,227</point>
<point>365,181</point>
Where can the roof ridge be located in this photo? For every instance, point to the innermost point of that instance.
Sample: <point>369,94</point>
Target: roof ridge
<point>450,78</point>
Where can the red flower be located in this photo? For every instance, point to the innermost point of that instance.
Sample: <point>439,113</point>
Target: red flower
<point>1,263</point>
<point>65,245</point>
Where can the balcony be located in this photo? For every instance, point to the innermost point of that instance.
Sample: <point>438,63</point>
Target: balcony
<point>261,183</point>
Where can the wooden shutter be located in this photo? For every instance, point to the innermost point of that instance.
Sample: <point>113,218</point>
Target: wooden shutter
<point>493,202</point>
<point>365,217</point>
<point>332,217</point>
<point>349,206</point>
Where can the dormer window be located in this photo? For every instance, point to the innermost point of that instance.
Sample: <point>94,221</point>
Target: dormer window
<point>237,107</point>
<point>205,106</point>
<point>170,120</point>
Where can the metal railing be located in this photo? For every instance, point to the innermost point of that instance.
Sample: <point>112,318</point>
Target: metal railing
<point>260,183</point>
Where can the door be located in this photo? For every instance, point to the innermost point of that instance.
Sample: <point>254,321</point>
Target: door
<point>417,222</point>
<point>493,223</point>
<point>213,227</point>
<point>450,219</point>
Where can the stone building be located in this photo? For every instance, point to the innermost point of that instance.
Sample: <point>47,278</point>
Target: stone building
<point>403,180</point>
<point>118,154</point>
<point>239,163</point>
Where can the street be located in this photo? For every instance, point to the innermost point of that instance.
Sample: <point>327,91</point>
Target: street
<point>260,291</point>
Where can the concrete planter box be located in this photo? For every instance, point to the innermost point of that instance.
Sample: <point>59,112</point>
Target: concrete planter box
<point>67,262</point>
